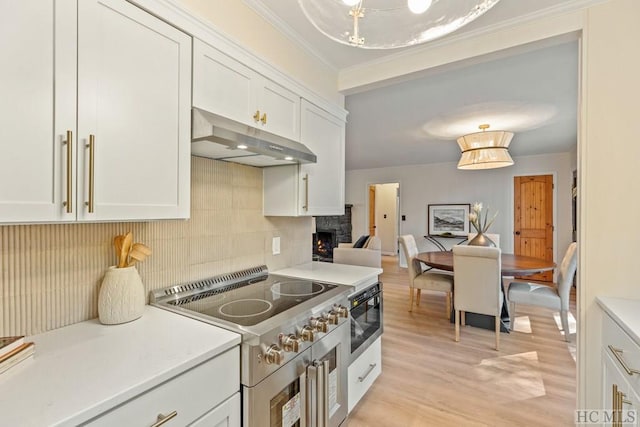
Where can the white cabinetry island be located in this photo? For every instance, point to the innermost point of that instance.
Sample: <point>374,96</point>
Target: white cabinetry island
<point>128,374</point>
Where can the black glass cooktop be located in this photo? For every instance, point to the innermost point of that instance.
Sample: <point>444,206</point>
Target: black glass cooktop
<point>252,302</point>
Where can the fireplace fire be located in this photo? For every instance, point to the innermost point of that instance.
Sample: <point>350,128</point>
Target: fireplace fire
<point>324,242</point>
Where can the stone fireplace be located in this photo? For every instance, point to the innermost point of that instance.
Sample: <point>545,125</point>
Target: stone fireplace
<point>331,230</point>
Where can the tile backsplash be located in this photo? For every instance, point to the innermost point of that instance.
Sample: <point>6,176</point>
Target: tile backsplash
<point>51,273</point>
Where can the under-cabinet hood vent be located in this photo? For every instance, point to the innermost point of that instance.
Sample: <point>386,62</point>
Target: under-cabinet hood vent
<point>220,138</point>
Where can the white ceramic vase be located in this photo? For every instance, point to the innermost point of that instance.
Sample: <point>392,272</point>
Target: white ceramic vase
<point>121,298</point>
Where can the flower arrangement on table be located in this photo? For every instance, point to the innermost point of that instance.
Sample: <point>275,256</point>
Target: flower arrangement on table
<point>481,223</point>
<point>475,216</point>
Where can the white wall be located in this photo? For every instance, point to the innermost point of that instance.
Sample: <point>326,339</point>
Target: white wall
<point>421,185</point>
<point>608,176</point>
<point>386,228</point>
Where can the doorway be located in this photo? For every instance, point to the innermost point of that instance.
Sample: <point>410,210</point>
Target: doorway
<point>383,208</point>
<point>533,219</point>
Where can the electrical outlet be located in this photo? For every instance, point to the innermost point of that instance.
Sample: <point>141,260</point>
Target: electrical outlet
<point>275,246</point>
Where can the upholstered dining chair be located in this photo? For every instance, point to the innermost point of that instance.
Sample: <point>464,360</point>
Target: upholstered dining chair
<point>419,280</point>
<point>555,297</point>
<point>476,271</point>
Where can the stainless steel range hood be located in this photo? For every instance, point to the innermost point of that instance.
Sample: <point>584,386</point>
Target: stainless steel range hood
<point>218,137</point>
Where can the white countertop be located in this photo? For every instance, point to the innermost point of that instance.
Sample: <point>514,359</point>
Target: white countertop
<point>625,313</point>
<point>342,274</point>
<point>81,370</point>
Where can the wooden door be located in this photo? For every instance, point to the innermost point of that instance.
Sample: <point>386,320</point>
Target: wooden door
<point>372,210</point>
<point>533,221</point>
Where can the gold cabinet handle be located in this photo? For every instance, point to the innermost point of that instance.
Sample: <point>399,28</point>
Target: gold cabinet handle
<point>69,142</point>
<point>256,116</point>
<point>263,119</point>
<point>91,147</point>
<point>306,192</point>
<point>615,407</point>
<point>164,418</point>
<point>618,355</point>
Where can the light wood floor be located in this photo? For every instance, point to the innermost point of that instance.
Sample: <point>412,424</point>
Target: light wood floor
<point>430,380</point>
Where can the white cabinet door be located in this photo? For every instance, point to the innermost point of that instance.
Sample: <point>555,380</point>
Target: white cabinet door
<point>37,45</point>
<point>279,109</point>
<point>226,87</point>
<point>619,397</point>
<point>227,414</point>
<point>134,104</point>
<point>222,85</point>
<point>310,189</point>
<point>323,191</point>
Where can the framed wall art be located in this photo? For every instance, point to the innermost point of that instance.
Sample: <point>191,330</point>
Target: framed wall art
<point>448,220</point>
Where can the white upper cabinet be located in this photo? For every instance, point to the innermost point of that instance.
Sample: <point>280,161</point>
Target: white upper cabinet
<point>134,96</point>
<point>37,45</point>
<point>128,122</point>
<point>316,188</point>
<point>226,87</point>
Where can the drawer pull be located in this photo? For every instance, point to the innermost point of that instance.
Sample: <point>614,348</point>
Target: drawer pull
<point>366,374</point>
<point>618,354</point>
<point>164,418</point>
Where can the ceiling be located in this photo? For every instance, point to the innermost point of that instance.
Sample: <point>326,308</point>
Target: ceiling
<point>531,92</point>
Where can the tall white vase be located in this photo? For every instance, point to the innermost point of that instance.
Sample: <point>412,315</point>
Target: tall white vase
<point>121,298</point>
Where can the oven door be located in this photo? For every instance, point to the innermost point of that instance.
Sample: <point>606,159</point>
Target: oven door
<point>366,319</point>
<point>280,400</point>
<point>327,378</point>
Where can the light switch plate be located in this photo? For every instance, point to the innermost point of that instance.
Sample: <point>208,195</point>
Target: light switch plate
<point>275,246</point>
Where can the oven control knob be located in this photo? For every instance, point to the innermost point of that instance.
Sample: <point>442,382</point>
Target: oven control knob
<point>306,333</point>
<point>273,355</point>
<point>290,343</point>
<point>319,324</point>
<point>341,310</point>
<point>333,317</point>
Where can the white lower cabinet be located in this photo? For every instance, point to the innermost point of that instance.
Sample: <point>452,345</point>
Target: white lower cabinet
<point>227,414</point>
<point>364,371</point>
<point>204,394</point>
<point>620,376</point>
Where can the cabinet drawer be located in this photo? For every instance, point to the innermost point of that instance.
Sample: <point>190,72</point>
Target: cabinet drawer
<point>227,414</point>
<point>191,394</point>
<point>629,352</point>
<point>363,372</point>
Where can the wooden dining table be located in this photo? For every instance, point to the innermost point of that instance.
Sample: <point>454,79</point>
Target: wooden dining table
<point>511,265</point>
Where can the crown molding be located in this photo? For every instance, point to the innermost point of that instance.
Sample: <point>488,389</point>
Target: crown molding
<point>295,37</point>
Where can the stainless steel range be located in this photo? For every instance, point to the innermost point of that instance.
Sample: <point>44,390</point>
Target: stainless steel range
<point>295,342</point>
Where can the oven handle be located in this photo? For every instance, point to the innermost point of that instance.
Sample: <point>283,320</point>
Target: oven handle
<point>325,381</point>
<point>320,391</point>
<point>310,401</point>
<point>303,397</point>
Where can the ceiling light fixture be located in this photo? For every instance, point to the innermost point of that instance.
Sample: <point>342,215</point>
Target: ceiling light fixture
<point>388,24</point>
<point>485,150</point>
